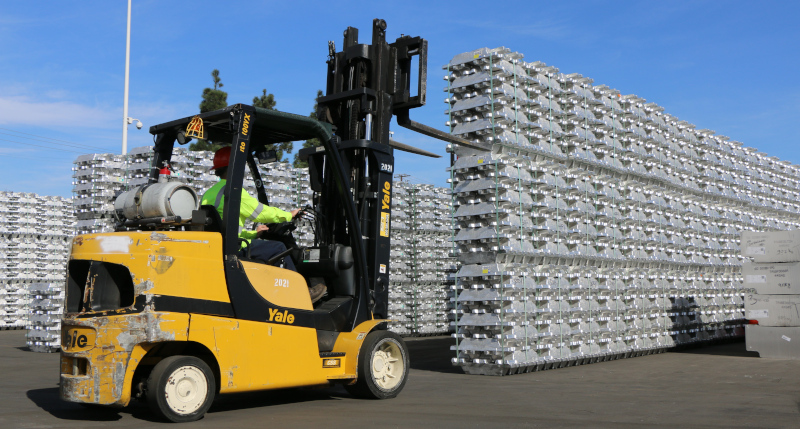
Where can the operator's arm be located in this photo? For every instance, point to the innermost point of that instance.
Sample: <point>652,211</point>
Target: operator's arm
<point>253,211</point>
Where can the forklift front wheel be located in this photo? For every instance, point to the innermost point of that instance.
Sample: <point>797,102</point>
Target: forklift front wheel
<point>181,389</point>
<point>382,366</point>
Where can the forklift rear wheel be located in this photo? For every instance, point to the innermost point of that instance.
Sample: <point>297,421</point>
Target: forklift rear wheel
<point>181,388</point>
<point>382,366</point>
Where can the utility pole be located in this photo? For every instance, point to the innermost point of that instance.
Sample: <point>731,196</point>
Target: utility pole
<point>127,79</point>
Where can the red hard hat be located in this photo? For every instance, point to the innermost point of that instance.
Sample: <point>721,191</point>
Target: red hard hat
<point>221,157</point>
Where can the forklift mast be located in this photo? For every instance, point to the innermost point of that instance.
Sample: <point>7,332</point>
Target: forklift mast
<point>367,84</point>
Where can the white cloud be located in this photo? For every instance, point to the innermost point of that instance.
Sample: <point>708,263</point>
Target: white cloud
<point>22,110</point>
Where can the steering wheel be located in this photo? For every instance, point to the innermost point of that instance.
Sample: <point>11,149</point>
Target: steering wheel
<point>282,229</point>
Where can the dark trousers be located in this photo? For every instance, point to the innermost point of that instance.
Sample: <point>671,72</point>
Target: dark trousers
<point>264,250</point>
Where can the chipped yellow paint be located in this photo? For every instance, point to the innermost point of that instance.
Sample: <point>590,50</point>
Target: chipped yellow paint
<point>137,354</point>
<point>251,355</point>
<point>279,286</point>
<point>175,263</point>
<point>121,341</point>
<point>250,359</point>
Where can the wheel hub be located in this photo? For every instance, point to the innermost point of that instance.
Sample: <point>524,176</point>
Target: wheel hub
<point>186,390</point>
<point>387,365</point>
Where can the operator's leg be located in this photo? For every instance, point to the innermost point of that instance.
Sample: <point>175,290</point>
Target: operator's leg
<point>263,250</point>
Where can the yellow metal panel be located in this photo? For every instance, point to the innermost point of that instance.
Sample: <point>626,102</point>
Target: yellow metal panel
<point>350,344</point>
<point>284,288</point>
<point>260,356</point>
<point>114,353</point>
<point>175,263</point>
<point>136,356</point>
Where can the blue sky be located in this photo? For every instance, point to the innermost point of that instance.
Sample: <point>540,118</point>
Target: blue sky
<point>729,66</point>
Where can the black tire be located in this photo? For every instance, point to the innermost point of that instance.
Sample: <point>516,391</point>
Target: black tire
<point>183,376</point>
<point>379,373</point>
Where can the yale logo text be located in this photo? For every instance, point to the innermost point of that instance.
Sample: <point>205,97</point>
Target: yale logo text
<point>75,340</point>
<point>275,315</point>
<point>387,195</point>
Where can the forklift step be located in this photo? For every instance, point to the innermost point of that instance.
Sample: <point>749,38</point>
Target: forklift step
<point>331,354</point>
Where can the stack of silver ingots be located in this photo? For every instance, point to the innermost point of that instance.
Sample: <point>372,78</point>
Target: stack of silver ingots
<point>420,260</point>
<point>46,311</point>
<point>596,226</point>
<point>35,232</point>
<point>97,179</point>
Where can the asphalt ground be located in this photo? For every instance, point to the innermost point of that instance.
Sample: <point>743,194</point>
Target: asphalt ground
<point>720,386</point>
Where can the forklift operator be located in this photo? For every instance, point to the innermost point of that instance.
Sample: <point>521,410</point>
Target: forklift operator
<point>250,210</point>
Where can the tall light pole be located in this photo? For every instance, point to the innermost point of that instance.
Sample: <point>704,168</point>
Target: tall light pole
<point>127,78</point>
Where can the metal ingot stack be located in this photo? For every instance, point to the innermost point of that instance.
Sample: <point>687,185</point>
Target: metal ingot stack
<point>97,179</point>
<point>46,311</point>
<point>35,234</point>
<point>402,261</point>
<point>419,259</point>
<point>596,226</point>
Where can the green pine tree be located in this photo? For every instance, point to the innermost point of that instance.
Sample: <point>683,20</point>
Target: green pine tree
<point>213,99</point>
<point>267,101</point>
<point>298,163</point>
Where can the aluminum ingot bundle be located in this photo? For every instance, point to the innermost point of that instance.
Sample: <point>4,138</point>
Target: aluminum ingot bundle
<point>597,226</point>
<point>420,259</point>
<point>35,232</point>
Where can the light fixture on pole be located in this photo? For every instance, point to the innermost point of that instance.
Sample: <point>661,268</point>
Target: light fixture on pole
<point>125,119</point>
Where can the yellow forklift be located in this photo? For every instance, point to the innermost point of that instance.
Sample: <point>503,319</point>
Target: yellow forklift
<point>165,310</point>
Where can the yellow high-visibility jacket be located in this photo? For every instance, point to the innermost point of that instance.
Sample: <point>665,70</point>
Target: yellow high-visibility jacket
<point>250,209</point>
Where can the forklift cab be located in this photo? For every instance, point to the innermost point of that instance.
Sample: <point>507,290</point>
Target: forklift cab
<point>337,255</point>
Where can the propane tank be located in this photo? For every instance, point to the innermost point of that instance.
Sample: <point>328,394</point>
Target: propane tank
<point>163,199</point>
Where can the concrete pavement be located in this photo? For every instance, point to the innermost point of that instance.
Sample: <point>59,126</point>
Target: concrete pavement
<point>720,386</point>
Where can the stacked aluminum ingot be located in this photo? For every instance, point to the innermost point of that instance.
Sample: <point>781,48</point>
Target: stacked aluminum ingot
<point>46,311</point>
<point>35,233</point>
<point>597,226</point>
<point>402,261</point>
<point>97,179</point>
<point>420,260</point>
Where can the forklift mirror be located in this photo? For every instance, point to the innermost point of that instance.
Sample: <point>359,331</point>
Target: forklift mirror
<point>266,156</point>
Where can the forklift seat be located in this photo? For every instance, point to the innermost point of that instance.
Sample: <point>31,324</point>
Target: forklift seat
<point>207,218</point>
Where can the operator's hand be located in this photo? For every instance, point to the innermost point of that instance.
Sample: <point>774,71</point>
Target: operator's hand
<point>294,213</point>
<point>261,228</point>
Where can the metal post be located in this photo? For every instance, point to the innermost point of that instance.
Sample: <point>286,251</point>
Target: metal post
<point>127,78</point>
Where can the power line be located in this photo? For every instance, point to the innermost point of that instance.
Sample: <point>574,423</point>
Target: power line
<point>48,142</point>
<point>50,138</point>
<point>36,158</point>
<point>44,147</point>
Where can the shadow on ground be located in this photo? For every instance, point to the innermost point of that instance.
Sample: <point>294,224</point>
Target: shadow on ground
<point>734,349</point>
<point>49,400</point>
<point>432,354</point>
